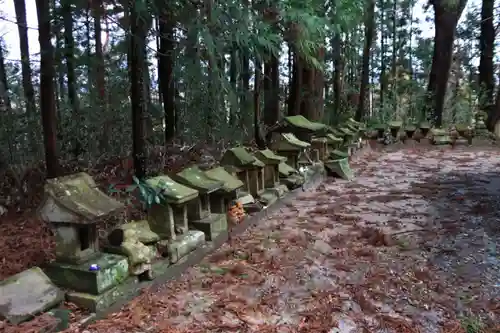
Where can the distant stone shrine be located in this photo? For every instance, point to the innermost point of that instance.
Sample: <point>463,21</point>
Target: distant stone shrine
<point>169,218</point>
<point>348,135</point>
<point>200,213</point>
<point>289,176</point>
<point>333,142</point>
<point>228,192</point>
<point>440,137</point>
<point>287,145</point>
<point>464,134</point>
<point>248,169</point>
<point>73,205</point>
<point>271,170</point>
<point>321,145</point>
<point>273,189</point>
<point>394,127</point>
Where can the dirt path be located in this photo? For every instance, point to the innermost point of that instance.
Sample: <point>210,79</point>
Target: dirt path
<point>408,246</point>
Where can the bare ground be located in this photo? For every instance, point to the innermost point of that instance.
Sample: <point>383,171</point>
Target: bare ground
<point>408,246</point>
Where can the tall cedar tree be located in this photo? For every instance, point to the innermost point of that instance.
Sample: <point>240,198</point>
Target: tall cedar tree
<point>47,91</point>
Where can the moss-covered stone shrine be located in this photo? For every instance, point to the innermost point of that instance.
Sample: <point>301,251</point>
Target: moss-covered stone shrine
<point>72,205</point>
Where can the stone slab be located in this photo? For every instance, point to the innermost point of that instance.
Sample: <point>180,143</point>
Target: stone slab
<point>211,226</point>
<point>27,294</point>
<point>113,271</point>
<point>185,244</point>
<point>98,303</point>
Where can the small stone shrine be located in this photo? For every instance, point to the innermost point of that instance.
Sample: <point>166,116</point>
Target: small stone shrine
<point>287,145</point>
<point>73,205</point>
<point>333,142</point>
<point>200,214</point>
<point>321,145</point>
<point>273,189</point>
<point>394,127</point>
<point>464,134</point>
<point>289,176</point>
<point>228,192</point>
<point>271,170</point>
<point>169,218</point>
<point>248,169</point>
<point>440,137</point>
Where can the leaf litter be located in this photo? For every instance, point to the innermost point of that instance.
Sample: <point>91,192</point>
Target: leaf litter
<point>392,251</point>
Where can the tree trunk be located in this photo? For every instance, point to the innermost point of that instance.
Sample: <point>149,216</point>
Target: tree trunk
<point>100,71</point>
<point>258,135</point>
<point>58,57</point>
<point>337,76</point>
<point>392,92</point>
<point>29,92</point>
<point>319,86</point>
<point>47,97</point>
<point>365,73</point>
<point>245,100</point>
<point>383,77</point>
<point>70,56</point>
<point>295,95</point>
<point>486,69</point>
<point>166,71</point>
<point>4,88</point>
<point>271,75</point>
<point>138,31</point>
<point>271,91</point>
<point>446,18</point>
<point>233,80</point>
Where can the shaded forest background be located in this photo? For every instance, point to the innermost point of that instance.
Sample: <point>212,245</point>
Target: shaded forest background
<point>120,84</point>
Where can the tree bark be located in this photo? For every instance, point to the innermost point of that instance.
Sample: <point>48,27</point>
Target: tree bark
<point>70,56</point>
<point>295,95</point>
<point>365,73</point>
<point>258,135</point>
<point>138,31</point>
<point>271,91</point>
<point>486,69</point>
<point>47,97</point>
<point>337,76</point>
<point>29,91</point>
<point>446,16</point>
<point>166,71</point>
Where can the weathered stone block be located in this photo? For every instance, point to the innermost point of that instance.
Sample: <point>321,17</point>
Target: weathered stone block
<point>211,226</point>
<point>183,245</point>
<point>113,270</point>
<point>98,303</point>
<point>27,294</point>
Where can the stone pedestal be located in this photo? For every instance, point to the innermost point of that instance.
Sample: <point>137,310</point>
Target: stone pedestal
<point>113,269</point>
<point>183,245</point>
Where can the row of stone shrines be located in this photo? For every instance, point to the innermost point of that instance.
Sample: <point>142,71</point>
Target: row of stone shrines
<point>192,212</point>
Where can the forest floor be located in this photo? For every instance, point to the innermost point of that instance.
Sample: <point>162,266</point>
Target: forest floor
<point>408,246</point>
